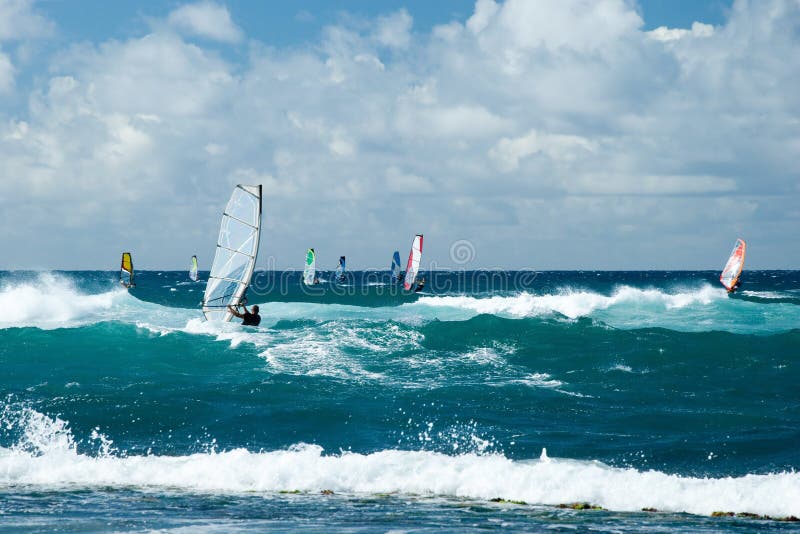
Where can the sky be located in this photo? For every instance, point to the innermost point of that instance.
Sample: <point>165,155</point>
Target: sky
<point>555,134</point>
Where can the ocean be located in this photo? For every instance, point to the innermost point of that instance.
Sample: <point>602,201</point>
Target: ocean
<point>490,401</point>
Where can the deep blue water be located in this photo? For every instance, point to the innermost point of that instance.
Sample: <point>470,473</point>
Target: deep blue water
<point>627,390</point>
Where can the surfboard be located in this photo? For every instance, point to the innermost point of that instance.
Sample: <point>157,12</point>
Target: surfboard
<point>412,266</point>
<point>126,270</point>
<point>310,271</point>
<point>733,268</point>
<point>237,250</point>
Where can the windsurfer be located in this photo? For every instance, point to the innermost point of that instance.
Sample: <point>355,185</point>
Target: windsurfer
<point>420,285</point>
<point>249,319</point>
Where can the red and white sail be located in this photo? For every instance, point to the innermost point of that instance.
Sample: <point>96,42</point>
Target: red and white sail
<point>733,269</point>
<point>412,266</point>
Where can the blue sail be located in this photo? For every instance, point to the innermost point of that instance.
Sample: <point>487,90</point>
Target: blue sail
<point>339,276</point>
<point>395,268</point>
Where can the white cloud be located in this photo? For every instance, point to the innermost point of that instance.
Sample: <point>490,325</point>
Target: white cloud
<point>580,25</point>
<point>485,10</point>
<point>508,152</point>
<point>662,33</point>
<point>208,20</point>
<point>6,74</point>
<point>604,184</point>
<point>562,116</point>
<point>394,31</point>
<point>20,21</point>
<point>401,182</point>
<point>449,123</point>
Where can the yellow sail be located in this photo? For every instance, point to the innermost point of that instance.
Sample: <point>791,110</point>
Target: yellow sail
<point>126,270</point>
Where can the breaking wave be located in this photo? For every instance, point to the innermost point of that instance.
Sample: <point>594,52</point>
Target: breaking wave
<point>45,455</point>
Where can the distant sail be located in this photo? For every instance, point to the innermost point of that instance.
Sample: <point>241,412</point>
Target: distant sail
<point>126,270</point>
<point>395,268</point>
<point>193,269</point>
<point>733,269</point>
<point>339,276</point>
<point>310,272</point>
<point>237,249</point>
<point>412,266</point>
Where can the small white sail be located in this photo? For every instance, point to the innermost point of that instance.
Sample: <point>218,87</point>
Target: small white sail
<point>193,269</point>
<point>395,268</point>
<point>310,271</point>
<point>412,266</point>
<point>339,275</point>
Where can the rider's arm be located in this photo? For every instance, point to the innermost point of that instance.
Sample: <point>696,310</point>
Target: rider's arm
<point>234,312</point>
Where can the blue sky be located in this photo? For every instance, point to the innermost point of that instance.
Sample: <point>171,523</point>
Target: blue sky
<point>575,134</point>
<point>300,21</point>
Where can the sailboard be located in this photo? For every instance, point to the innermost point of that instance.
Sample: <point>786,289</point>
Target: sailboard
<point>395,268</point>
<point>310,271</point>
<point>412,266</point>
<point>733,269</point>
<point>193,269</point>
<point>126,270</point>
<point>237,250</point>
<point>339,275</point>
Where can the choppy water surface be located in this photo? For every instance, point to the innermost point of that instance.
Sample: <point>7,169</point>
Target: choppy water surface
<point>359,407</point>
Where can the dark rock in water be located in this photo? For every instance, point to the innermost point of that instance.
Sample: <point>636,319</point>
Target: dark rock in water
<point>750,515</point>
<point>581,506</point>
<point>650,510</point>
<point>498,499</point>
<point>326,492</point>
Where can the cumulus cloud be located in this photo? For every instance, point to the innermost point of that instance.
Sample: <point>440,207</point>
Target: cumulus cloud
<point>208,20</point>
<point>394,30</point>
<point>508,152</point>
<point>19,24</point>
<point>662,33</point>
<point>559,126</point>
<point>19,21</point>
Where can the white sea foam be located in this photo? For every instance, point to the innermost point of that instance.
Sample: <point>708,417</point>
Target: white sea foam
<point>574,304</point>
<point>46,456</point>
<point>51,301</point>
<point>703,308</point>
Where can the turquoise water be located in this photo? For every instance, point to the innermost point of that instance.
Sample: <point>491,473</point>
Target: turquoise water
<point>126,411</point>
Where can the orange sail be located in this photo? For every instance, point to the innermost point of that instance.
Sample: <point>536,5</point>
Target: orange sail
<point>733,269</point>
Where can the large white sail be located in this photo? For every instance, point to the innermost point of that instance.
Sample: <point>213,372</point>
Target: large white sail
<point>310,272</point>
<point>237,249</point>
<point>412,266</point>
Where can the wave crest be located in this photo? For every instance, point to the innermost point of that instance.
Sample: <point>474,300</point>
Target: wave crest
<point>55,462</point>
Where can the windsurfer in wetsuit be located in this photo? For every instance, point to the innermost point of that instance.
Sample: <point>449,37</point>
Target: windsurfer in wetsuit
<point>249,319</point>
<point>733,289</point>
<point>420,285</point>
